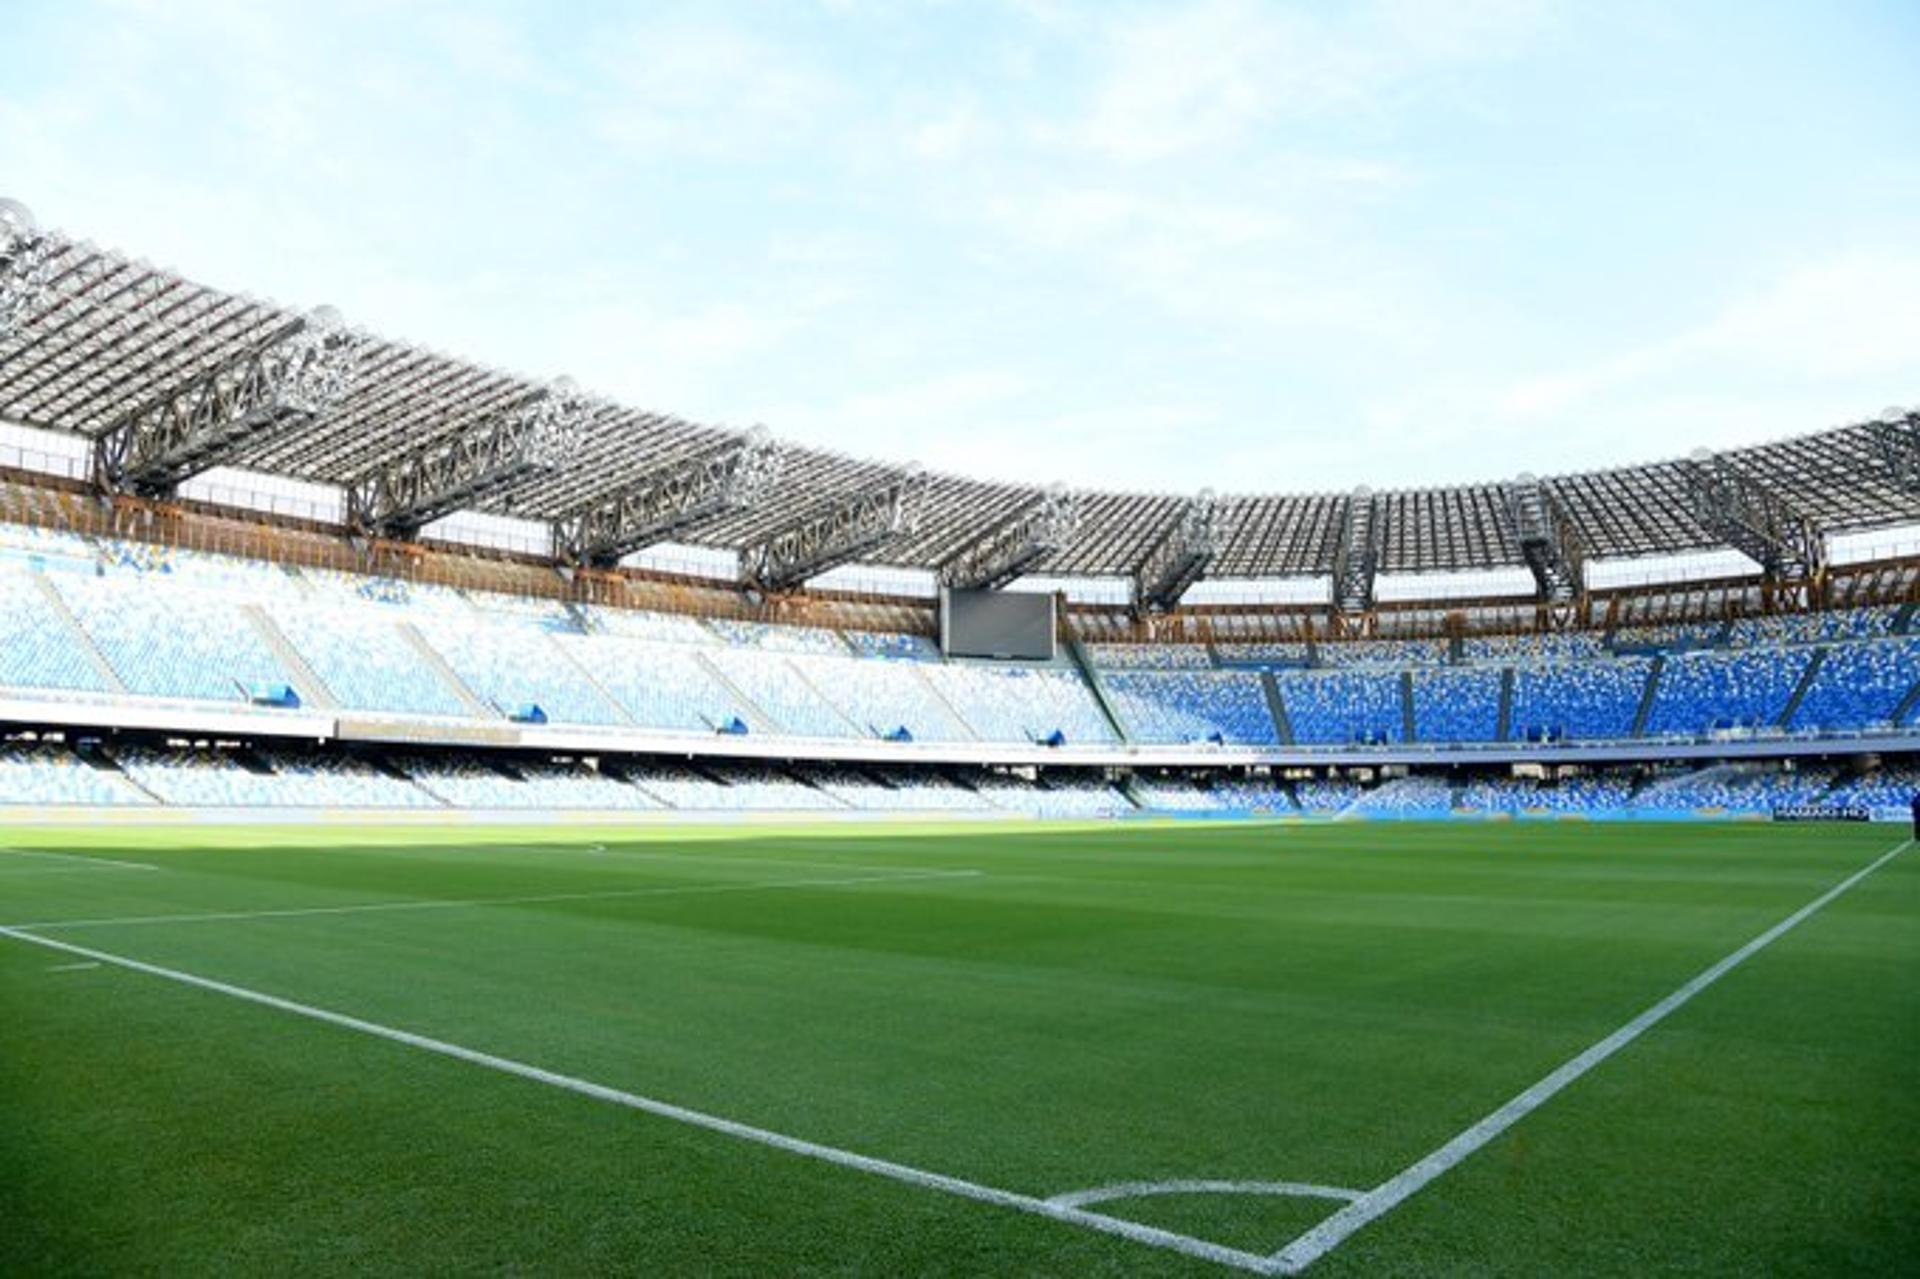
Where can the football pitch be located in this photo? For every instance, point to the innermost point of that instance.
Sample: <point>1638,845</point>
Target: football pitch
<point>1192,1048</point>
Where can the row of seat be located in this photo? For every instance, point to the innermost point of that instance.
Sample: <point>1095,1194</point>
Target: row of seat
<point>179,631</point>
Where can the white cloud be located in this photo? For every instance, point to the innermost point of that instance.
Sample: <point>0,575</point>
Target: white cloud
<point>1842,326</point>
<point>703,88</point>
<point>1212,75</point>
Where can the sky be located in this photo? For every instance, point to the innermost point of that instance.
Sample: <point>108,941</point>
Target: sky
<point>1229,244</point>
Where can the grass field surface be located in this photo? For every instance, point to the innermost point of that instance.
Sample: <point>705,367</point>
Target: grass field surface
<point>767,1052</point>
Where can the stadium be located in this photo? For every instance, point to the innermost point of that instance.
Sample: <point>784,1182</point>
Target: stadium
<point>460,820</point>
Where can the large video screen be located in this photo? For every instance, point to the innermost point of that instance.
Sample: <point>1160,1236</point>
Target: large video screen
<point>1004,624</point>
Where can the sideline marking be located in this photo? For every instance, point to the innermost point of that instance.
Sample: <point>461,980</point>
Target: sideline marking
<point>1141,1189</point>
<point>1390,1194</point>
<point>1150,1235</point>
<point>70,857</point>
<point>298,912</point>
<point>80,967</point>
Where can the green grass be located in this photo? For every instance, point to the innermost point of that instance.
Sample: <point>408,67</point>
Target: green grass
<point>1097,1005</point>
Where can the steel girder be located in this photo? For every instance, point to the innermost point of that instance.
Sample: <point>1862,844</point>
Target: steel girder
<point>536,436</point>
<point>1015,544</point>
<point>281,386</point>
<point>1896,437</point>
<point>1755,520</point>
<point>1357,558</point>
<point>1179,558</point>
<point>1546,540</point>
<point>834,532</point>
<point>684,493</point>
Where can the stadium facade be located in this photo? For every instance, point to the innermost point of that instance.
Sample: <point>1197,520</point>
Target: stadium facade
<point>253,557</point>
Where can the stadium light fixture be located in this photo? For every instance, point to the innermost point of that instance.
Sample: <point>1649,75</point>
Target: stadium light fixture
<point>26,265</point>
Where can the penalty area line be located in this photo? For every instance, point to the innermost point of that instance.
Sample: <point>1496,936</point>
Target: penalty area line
<point>1390,1194</point>
<point>904,1173</point>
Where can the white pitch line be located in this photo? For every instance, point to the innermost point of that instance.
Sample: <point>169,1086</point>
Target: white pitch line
<point>69,857</point>
<point>364,908</point>
<point>1143,1189</point>
<point>906,1173</point>
<point>1390,1194</point>
<point>82,966</point>
<point>722,859</point>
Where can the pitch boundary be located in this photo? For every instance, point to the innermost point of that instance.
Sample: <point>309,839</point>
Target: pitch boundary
<point>906,1173</point>
<point>1360,1210</point>
<point>1396,1190</point>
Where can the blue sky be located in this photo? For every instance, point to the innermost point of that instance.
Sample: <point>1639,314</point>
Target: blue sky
<point>1243,245</point>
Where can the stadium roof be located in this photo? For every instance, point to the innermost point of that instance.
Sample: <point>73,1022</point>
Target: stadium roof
<point>89,338</point>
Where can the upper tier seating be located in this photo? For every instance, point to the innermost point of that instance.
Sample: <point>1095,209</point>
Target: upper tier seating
<point>36,650</point>
<point>1580,700</point>
<point>175,641</point>
<point>661,686</point>
<point>1148,657</point>
<point>1809,628</point>
<point>899,648</point>
<point>1279,653</point>
<point>780,639</point>
<point>666,628</point>
<point>1341,707</point>
<point>30,546</point>
<point>1398,654</point>
<point>1192,706</point>
<point>775,683</point>
<point>1531,648</point>
<point>1459,704</point>
<point>1859,686</point>
<point>510,664</point>
<point>1673,637</point>
<point>359,653</point>
<point>1022,703</point>
<point>881,697</point>
<point>183,624</point>
<point>1712,688</point>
